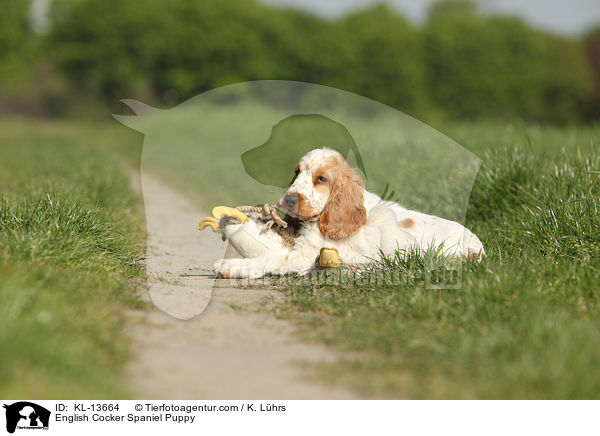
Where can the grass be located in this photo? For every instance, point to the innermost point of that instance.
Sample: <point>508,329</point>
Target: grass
<point>523,324</point>
<point>70,240</point>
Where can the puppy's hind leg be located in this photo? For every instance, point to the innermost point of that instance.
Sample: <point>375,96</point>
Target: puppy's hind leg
<point>392,236</point>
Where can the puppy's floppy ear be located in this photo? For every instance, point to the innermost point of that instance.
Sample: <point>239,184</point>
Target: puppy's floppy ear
<point>344,213</point>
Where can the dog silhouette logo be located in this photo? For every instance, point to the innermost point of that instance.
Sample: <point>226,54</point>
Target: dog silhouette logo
<point>26,415</point>
<point>291,138</point>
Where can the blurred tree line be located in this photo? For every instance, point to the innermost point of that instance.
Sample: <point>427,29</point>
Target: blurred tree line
<point>459,64</point>
<point>16,47</point>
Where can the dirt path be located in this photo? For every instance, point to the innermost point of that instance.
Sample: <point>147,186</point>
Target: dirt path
<point>223,353</point>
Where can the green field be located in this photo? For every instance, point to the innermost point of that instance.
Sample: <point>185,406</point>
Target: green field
<point>70,240</point>
<point>524,323</point>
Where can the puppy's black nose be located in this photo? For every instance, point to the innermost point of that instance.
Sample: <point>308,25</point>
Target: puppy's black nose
<point>290,201</point>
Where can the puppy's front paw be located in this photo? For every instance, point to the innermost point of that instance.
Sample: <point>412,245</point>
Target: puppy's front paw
<point>223,268</point>
<point>236,269</point>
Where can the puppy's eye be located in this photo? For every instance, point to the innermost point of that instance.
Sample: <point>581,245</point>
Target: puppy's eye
<point>321,179</point>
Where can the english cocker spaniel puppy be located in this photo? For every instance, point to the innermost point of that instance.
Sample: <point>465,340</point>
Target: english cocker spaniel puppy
<point>328,206</point>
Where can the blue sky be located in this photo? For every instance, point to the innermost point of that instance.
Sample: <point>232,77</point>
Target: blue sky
<point>570,17</point>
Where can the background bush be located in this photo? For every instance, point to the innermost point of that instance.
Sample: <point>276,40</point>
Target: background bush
<point>459,64</point>
<point>499,67</point>
<point>16,54</point>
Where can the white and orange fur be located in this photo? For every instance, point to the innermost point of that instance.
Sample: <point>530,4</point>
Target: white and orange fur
<point>329,199</point>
